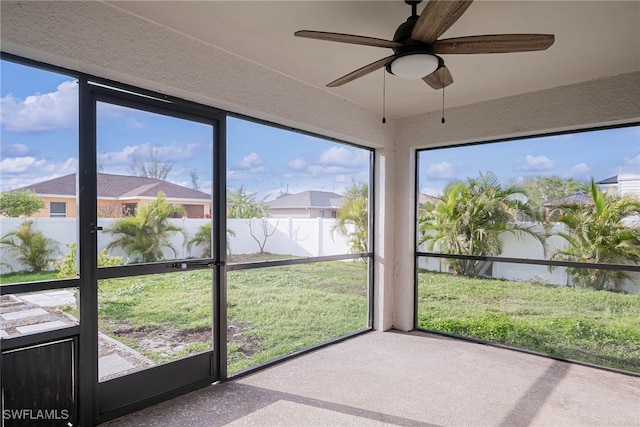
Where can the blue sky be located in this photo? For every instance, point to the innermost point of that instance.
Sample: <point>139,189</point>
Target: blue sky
<point>582,156</point>
<point>39,141</point>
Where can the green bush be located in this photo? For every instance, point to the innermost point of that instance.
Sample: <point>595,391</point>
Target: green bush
<point>67,266</point>
<point>16,203</point>
<point>30,247</point>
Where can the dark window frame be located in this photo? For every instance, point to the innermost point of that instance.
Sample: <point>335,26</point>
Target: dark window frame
<point>88,86</point>
<point>507,260</point>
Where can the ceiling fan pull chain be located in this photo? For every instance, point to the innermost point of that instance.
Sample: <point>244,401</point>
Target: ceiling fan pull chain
<point>442,81</point>
<point>384,96</point>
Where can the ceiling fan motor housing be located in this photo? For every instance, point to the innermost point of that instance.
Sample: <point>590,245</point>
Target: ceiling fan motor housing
<point>409,45</point>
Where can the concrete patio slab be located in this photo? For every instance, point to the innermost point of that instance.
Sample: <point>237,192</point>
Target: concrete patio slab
<point>41,327</point>
<point>113,364</point>
<point>51,299</point>
<point>23,314</point>
<point>388,378</point>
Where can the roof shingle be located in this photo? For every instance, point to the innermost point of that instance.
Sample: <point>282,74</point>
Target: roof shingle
<point>307,199</point>
<point>119,186</point>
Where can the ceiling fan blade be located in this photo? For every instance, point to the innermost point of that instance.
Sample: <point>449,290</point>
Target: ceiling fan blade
<point>499,43</point>
<point>361,72</point>
<point>347,38</point>
<point>436,18</point>
<point>439,78</point>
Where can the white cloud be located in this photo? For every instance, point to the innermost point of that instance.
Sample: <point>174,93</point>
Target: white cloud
<point>633,161</point>
<point>14,150</point>
<point>237,175</point>
<point>442,170</point>
<point>117,161</point>
<point>20,164</point>
<point>19,172</point>
<point>536,163</point>
<point>177,151</point>
<point>251,161</point>
<point>41,112</point>
<point>343,156</point>
<point>121,161</point>
<point>317,170</point>
<point>297,164</point>
<point>206,186</point>
<point>579,171</point>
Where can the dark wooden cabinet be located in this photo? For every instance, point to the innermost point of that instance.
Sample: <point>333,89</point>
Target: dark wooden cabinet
<point>39,384</point>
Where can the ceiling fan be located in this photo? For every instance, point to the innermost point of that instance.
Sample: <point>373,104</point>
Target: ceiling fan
<point>416,46</point>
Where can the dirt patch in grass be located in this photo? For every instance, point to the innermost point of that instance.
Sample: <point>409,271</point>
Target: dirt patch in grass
<point>168,342</point>
<point>248,344</point>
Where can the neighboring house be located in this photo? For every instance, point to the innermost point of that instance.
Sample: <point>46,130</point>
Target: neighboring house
<point>622,184</point>
<point>118,195</point>
<point>308,204</point>
<point>553,208</point>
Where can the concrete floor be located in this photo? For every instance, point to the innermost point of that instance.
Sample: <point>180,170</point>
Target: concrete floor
<point>408,379</point>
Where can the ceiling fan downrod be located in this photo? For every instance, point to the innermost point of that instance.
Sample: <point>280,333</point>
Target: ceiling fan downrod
<point>414,6</point>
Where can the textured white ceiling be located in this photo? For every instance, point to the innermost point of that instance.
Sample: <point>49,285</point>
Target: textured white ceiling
<point>594,39</point>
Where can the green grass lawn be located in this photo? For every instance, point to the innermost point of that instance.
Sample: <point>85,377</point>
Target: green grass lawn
<point>22,276</point>
<point>591,326</point>
<point>271,312</point>
<point>286,309</point>
<point>279,310</point>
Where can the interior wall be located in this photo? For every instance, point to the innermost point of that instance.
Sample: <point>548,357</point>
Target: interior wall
<point>607,101</point>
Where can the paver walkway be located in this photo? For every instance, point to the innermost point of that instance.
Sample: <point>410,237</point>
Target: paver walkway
<point>23,315</point>
<point>33,313</point>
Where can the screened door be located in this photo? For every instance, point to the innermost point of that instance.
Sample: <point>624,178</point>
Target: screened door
<point>157,248</point>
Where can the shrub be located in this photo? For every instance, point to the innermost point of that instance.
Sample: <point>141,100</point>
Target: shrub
<point>30,247</point>
<point>67,266</point>
<point>16,203</point>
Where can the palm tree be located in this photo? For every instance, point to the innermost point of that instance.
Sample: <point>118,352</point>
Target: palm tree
<point>352,218</point>
<point>30,247</point>
<point>243,205</point>
<point>597,233</point>
<point>469,218</point>
<point>203,238</point>
<point>145,234</point>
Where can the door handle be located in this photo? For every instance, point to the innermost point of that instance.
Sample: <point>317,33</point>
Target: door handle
<point>194,264</point>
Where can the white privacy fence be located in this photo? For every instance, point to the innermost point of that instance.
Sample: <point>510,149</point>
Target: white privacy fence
<point>526,247</point>
<point>299,237</point>
<point>291,236</point>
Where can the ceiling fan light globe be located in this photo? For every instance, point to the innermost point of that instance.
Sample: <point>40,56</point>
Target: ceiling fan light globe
<point>414,66</point>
